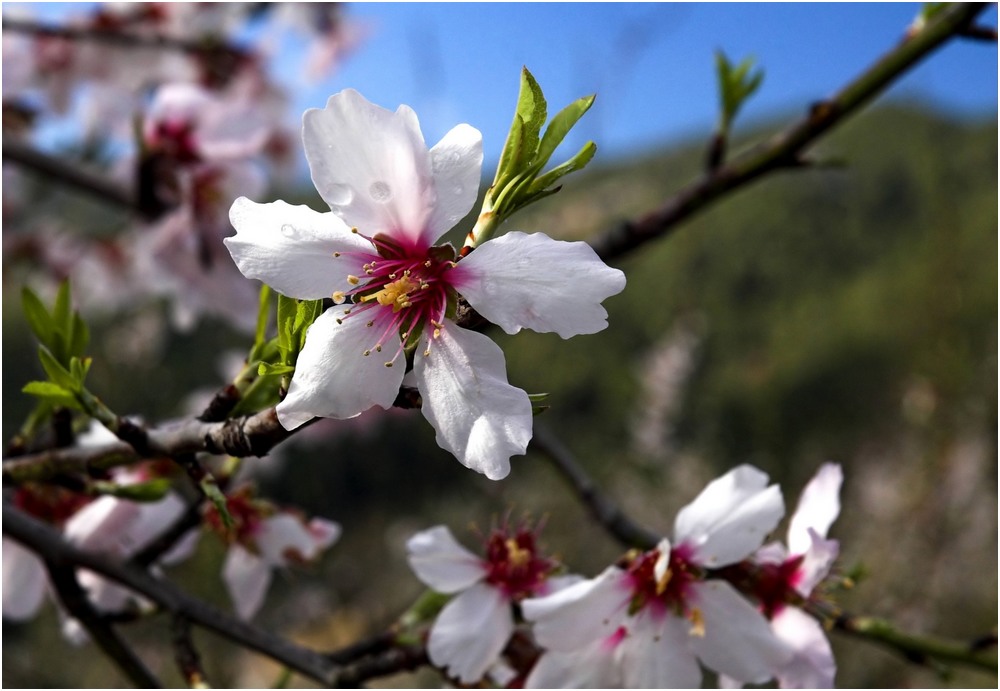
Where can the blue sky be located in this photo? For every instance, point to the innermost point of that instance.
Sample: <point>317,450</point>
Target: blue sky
<point>650,64</point>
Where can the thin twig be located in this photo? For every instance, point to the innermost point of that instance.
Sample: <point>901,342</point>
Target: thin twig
<point>601,507</point>
<point>399,659</point>
<point>920,649</point>
<point>786,149</point>
<point>186,656</point>
<point>76,602</point>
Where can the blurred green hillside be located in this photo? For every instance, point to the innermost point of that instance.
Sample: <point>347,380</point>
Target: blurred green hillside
<point>845,313</point>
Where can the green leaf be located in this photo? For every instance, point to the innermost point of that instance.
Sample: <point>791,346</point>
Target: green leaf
<point>560,126</point>
<point>263,316</point>
<point>287,309</point>
<point>79,335</point>
<point>267,369</point>
<point>511,152</point>
<point>52,393</point>
<point>578,162</point>
<point>736,85</point>
<point>532,109</point>
<point>152,490</point>
<point>57,373</point>
<point>37,316</point>
<point>61,314</point>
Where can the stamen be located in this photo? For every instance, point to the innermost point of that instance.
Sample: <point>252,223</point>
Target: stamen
<point>697,623</point>
<point>336,254</point>
<point>353,280</point>
<point>339,297</point>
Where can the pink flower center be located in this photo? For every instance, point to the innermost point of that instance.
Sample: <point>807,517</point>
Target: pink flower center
<point>775,584</point>
<point>51,504</point>
<point>176,139</point>
<point>514,565</point>
<point>666,591</point>
<point>405,291</point>
<point>246,514</point>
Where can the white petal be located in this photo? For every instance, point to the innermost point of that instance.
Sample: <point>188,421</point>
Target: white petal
<point>738,641</point>
<point>819,506</point>
<point>812,666</point>
<point>471,632</point>
<point>441,562</point>
<point>658,654</point>
<point>475,413</point>
<point>576,616</point>
<point>153,518</point>
<point>371,166</point>
<point>332,376</point>
<point>284,537</point>
<point>592,667</point>
<point>456,164</point>
<point>247,577</point>
<point>532,281</point>
<point>99,525</point>
<point>291,248</point>
<point>730,518</point>
<point>24,580</point>
<point>816,564</point>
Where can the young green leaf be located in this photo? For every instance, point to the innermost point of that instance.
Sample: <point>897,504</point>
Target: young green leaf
<point>52,393</point>
<point>560,126</point>
<point>37,315</point>
<point>56,372</point>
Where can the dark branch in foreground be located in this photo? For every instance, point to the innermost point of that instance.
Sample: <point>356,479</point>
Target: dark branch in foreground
<point>786,149</point>
<point>76,602</point>
<point>50,546</point>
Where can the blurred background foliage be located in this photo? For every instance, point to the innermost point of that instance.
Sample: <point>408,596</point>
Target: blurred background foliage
<point>846,313</point>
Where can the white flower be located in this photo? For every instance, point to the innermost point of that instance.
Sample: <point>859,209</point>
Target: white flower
<point>392,198</point>
<point>649,624</point>
<point>796,571</point>
<point>107,525</point>
<point>474,627</point>
<point>266,540</point>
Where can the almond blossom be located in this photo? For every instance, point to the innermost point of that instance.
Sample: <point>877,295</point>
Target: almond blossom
<point>649,623</point>
<point>264,539</point>
<point>106,525</point>
<point>794,572</point>
<point>396,292</point>
<point>475,626</point>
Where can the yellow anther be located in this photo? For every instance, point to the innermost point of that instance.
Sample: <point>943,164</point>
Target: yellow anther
<point>339,297</point>
<point>518,556</point>
<point>353,280</point>
<point>336,254</point>
<point>697,623</point>
<point>661,585</point>
<point>394,294</point>
<point>388,364</point>
<point>367,353</point>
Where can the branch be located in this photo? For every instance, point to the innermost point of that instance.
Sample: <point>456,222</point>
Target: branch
<point>51,547</point>
<point>204,48</point>
<point>76,602</point>
<point>604,511</point>
<point>84,180</point>
<point>917,648</point>
<point>399,659</point>
<point>185,655</point>
<point>786,149</point>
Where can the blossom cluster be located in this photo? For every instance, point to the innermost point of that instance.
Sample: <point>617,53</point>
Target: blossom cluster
<point>712,595</point>
<point>179,103</point>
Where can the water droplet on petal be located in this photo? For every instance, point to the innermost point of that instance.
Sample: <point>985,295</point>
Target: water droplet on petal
<point>339,194</point>
<point>288,231</point>
<point>380,192</point>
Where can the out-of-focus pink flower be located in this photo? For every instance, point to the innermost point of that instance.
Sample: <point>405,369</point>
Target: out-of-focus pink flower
<point>266,539</point>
